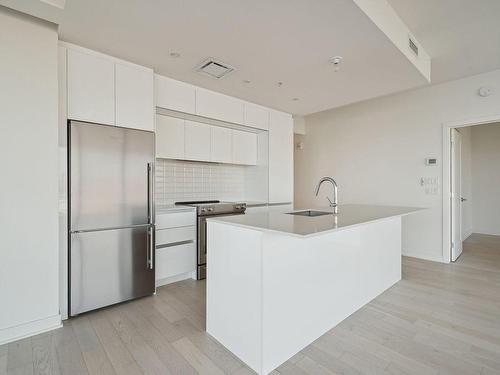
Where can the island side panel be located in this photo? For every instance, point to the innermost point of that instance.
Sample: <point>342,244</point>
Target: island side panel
<point>234,290</point>
<point>312,284</point>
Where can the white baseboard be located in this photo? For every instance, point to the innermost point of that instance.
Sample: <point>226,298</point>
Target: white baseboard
<point>174,279</point>
<point>29,329</point>
<point>487,233</point>
<point>424,256</point>
<point>467,234</point>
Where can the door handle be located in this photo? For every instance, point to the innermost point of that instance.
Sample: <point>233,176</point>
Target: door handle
<point>150,193</point>
<point>151,247</point>
<point>463,199</point>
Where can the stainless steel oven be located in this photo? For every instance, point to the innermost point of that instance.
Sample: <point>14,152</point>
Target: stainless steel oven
<point>204,210</point>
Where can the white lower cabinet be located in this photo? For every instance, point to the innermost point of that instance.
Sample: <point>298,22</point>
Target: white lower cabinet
<point>174,261</point>
<point>175,246</point>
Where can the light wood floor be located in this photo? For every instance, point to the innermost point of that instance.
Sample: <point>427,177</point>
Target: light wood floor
<point>440,319</point>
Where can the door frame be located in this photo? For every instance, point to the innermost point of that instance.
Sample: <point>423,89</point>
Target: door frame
<point>456,157</point>
<point>446,192</point>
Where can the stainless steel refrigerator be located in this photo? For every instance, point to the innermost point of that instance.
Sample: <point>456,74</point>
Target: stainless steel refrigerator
<point>111,215</point>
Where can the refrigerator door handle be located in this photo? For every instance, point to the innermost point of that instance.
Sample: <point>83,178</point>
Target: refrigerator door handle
<point>151,246</point>
<point>150,193</point>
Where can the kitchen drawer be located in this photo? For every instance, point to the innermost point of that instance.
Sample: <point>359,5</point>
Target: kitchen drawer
<point>175,260</point>
<point>173,235</point>
<point>176,219</point>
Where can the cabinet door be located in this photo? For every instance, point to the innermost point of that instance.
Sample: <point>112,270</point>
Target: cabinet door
<point>175,95</point>
<point>222,144</point>
<point>244,148</point>
<point>256,116</point>
<point>197,141</point>
<point>134,97</point>
<point>217,106</point>
<point>91,88</point>
<point>169,137</point>
<point>175,260</point>
<point>280,157</point>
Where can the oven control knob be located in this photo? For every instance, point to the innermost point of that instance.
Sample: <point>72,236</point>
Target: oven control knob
<point>210,209</point>
<point>203,210</point>
<point>237,207</point>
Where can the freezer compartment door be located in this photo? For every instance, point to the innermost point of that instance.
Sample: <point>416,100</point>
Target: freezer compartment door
<point>110,175</point>
<point>110,266</point>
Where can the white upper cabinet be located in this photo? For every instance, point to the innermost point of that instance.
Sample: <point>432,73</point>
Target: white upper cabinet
<point>134,97</point>
<point>106,90</point>
<point>169,137</point>
<point>280,157</point>
<point>256,116</point>
<point>175,95</point>
<point>222,144</point>
<point>218,106</point>
<point>244,148</point>
<point>91,88</point>
<point>197,141</point>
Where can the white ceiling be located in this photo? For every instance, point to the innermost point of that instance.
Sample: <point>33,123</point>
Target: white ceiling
<point>266,41</point>
<point>461,36</point>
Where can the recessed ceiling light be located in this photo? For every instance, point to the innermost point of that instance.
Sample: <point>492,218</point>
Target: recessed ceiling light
<point>246,81</point>
<point>280,84</point>
<point>295,99</point>
<point>175,55</point>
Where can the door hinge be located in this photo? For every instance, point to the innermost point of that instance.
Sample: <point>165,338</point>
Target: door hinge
<point>453,245</point>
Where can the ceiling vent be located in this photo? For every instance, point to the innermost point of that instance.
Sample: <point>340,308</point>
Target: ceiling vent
<point>413,46</point>
<point>214,68</point>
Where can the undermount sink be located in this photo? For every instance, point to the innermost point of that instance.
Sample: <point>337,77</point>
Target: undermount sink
<point>310,213</point>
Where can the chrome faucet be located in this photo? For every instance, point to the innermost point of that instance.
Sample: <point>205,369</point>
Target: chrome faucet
<point>335,202</point>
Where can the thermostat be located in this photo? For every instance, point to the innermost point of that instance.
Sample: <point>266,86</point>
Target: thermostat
<point>431,161</point>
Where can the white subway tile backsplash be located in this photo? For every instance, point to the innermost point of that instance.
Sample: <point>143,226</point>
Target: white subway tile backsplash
<point>180,180</point>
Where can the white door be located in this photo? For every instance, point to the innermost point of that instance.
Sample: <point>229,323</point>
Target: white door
<point>456,194</point>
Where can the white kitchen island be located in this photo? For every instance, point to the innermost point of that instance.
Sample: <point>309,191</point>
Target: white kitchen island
<point>276,282</point>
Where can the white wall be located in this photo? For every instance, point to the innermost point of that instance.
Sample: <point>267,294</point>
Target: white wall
<point>376,150</point>
<point>466,162</point>
<point>299,125</point>
<point>486,178</point>
<point>28,164</point>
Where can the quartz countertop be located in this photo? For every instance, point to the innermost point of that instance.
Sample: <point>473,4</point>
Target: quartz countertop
<point>350,215</point>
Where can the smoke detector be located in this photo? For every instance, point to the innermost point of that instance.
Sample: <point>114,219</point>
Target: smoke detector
<point>214,68</point>
<point>336,61</point>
